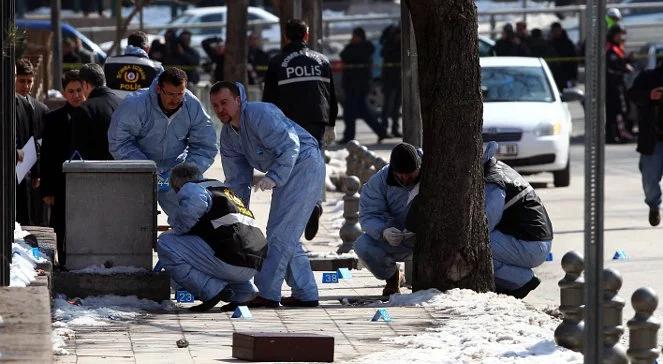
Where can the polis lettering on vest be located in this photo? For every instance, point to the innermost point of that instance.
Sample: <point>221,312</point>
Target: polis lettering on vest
<point>300,71</point>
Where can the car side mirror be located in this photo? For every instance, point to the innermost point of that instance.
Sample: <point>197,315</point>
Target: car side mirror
<point>572,94</point>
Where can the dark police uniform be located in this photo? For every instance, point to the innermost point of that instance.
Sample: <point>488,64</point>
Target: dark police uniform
<point>299,81</point>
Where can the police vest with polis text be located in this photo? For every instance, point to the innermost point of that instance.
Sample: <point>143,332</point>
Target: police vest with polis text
<point>129,73</point>
<point>302,87</point>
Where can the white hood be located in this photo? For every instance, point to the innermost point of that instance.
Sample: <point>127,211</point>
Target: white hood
<point>522,115</point>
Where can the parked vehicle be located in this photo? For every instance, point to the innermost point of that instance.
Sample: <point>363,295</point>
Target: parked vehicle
<point>271,34</point>
<point>68,31</point>
<point>524,112</point>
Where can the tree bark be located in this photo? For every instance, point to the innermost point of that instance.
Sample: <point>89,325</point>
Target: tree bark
<point>452,249</point>
<point>312,15</point>
<point>285,9</point>
<point>234,68</point>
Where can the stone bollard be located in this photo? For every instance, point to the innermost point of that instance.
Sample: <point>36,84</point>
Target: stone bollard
<point>350,230</point>
<point>642,328</point>
<point>352,160</point>
<point>569,333</point>
<point>365,164</point>
<point>379,163</point>
<point>613,352</point>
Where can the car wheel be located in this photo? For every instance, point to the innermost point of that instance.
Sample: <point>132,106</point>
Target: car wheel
<point>562,178</point>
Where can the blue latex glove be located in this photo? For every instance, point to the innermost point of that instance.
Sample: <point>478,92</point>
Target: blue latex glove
<point>162,181</point>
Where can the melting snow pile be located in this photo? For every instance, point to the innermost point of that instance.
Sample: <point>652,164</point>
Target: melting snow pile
<point>24,260</point>
<point>480,328</point>
<point>97,312</point>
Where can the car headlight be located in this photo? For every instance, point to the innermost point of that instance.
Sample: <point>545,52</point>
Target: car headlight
<point>548,128</point>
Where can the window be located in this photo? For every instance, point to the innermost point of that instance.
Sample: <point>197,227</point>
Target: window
<point>515,84</point>
<point>209,18</point>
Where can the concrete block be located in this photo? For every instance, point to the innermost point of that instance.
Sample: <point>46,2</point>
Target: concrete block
<point>150,285</point>
<point>25,336</point>
<point>332,264</point>
<point>110,212</point>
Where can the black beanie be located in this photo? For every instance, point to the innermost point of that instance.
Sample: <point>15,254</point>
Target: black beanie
<point>404,158</point>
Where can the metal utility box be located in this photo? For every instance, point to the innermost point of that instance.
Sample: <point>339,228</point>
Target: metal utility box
<point>110,213</point>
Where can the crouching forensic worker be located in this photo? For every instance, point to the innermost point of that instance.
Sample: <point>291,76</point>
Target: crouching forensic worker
<point>383,208</point>
<point>519,228</point>
<point>258,135</point>
<point>215,247</point>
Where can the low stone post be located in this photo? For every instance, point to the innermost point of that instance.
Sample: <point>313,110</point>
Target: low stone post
<point>613,352</point>
<point>352,160</point>
<point>350,230</point>
<point>642,328</point>
<point>569,333</point>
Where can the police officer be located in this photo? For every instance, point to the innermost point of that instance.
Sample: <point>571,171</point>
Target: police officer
<point>299,81</point>
<point>519,228</point>
<point>133,70</point>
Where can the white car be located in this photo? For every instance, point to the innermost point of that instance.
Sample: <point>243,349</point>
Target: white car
<point>526,115</point>
<point>270,34</point>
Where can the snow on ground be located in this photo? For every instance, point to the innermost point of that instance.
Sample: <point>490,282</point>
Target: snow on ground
<point>100,269</point>
<point>24,261</point>
<point>96,312</point>
<point>480,328</point>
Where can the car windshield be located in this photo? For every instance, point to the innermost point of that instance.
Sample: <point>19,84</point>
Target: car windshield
<point>515,84</point>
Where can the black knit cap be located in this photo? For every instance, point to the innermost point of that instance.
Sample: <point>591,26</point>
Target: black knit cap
<point>404,158</point>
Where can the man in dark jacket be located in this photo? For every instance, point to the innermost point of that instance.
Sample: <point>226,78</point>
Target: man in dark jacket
<point>216,51</point>
<point>215,247</point>
<point>91,121</point>
<point>391,78</point>
<point>185,57</point>
<point>257,60</point>
<point>647,94</point>
<point>133,70</point>
<point>357,59</point>
<point>617,65</point>
<point>565,67</point>
<point>29,123</point>
<point>56,149</point>
<point>509,45</point>
<point>299,81</point>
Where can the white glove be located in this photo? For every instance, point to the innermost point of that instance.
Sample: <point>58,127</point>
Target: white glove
<point>265,183</point>
<point>393,236</point>
<point>330,135</point>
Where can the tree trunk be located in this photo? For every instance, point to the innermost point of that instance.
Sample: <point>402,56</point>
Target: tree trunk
<point>312,15</point>
<point>285,9</point>
<point>452,249</point>
<point>234,68</point>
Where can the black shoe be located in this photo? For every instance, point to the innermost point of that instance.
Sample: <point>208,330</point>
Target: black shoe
<point>259,302</point>
<point>313,223</point>
<point>209,304</point>
<point>383,137</point>
<point>295,302</point>
<point>654,217</point>
<point>523,291</point>
<point>230,307</point>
